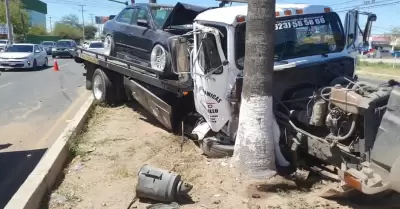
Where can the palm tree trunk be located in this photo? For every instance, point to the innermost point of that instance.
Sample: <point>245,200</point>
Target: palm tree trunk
<point>254,147</point>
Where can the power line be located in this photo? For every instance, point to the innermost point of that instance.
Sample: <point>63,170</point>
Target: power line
<point>345,2</point>
<point>363,6</point>
<point>69,2</point>
<point>83,21</point>
<point>50,24</point>
<point>91,17</point>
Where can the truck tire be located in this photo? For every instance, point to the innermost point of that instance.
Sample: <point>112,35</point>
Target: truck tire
<point>102,88</point>
<point>214,149</point>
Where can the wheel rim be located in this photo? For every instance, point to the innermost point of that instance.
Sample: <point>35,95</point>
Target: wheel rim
<point>107,45</point>
<point>97,86</point>
<point>158,58</point>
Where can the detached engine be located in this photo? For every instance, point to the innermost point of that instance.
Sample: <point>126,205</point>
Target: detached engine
<point>336,123</point>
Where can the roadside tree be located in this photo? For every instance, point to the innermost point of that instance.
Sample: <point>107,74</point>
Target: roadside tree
<point>67,31</point>
<point>37,30</point>
<point>19,17</point>
<point>90,31</point>
<point>258,131</point>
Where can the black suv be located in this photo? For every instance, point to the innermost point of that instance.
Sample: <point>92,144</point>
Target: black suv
<point>140,33</point>
<point>62,48</point>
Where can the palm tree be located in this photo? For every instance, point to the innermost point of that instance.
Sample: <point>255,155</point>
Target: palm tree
<point>254,148</point>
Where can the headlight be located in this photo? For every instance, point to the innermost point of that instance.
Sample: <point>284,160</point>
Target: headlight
<point>53,49</point>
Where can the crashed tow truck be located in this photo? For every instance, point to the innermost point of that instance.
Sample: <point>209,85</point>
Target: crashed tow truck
<point>322,109</point>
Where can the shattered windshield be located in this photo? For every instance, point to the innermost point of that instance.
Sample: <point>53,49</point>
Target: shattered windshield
<point>299,36</point>
<point>160,14</point>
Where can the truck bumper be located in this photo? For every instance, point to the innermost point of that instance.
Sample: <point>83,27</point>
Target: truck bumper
<point>12,64</point>
<point>61,53</point>
<point>372,179</point>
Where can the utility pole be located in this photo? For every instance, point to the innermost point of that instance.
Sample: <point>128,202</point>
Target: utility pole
<point>256,146</point>
<point>51,29</point>
<point>91,17</point>
<point>9,24</point>
<point>83,21</point>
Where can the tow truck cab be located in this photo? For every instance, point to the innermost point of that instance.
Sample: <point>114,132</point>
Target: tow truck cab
<point>304,35</point>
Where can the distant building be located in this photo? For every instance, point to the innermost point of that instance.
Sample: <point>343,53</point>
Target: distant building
<point>382,42</point>
<point>37,11</point>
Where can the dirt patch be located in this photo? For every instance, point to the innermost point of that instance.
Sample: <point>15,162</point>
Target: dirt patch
<point>119,141</point>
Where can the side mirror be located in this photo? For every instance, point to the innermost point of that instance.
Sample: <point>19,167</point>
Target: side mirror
<point>111,17</point>
<point>142,22</point>
<point>368,26</point>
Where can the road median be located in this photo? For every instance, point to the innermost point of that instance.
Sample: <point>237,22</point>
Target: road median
<point>43,177</point>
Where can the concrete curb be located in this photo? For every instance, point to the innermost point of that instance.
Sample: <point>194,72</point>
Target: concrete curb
<point>43,177</point>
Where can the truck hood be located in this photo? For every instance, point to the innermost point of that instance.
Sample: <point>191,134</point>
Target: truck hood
<point>14,55</point>
<point>183,14</point>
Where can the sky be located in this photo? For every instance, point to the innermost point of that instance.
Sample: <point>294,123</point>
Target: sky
<point>387,11</point>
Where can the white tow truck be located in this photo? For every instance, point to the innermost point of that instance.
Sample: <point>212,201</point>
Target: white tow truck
<point>322,109</point>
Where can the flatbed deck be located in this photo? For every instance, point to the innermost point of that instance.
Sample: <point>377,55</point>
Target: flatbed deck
<point>131,70</point>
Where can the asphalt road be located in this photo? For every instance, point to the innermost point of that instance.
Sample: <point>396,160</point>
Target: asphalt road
<point>35,108</point>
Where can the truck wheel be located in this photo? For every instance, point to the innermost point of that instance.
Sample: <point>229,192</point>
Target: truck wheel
<point>214,149</point>
<point>109,47</point>
<point>159,59</point>
<point>102,88</point>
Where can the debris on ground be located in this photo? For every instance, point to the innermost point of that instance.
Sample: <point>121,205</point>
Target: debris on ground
<point>161,185</point>
<point>119,141</point>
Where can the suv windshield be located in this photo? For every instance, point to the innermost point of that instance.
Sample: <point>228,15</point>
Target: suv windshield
<point>160,14</point>
<point>47,43</point>
<point>96,45</point>
<point>299,36</point>
<point>20,48</point>
<point>63,44</point>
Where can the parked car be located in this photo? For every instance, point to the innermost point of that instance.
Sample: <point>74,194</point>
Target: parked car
<point>395,54</point>
<point>23,56</point>
<point>3,44</point>
<point>96,46</point>
<point>140,32</point>
<point>63,47</point>
<point>85,44</point>
<point>48,46</point>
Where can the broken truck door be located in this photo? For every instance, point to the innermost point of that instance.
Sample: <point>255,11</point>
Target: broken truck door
<point>210,77</point>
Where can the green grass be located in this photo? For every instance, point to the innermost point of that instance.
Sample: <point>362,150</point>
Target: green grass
<point>378,64</point>
<point>379,67</point>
